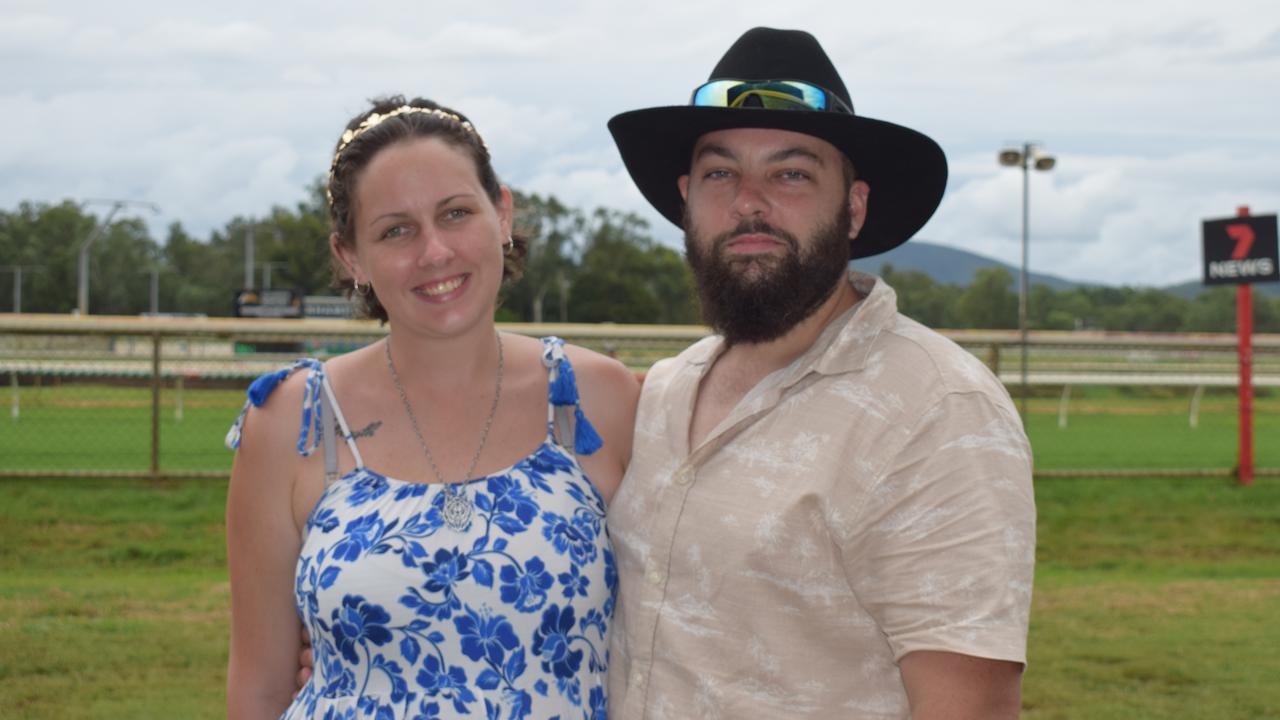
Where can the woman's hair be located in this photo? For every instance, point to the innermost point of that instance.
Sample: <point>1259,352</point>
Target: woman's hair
<point>393,119</point>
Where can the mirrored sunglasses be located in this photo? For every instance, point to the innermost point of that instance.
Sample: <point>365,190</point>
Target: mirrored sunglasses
<point>769,94</point>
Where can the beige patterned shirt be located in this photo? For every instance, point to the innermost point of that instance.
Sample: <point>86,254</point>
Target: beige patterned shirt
<point>870,499</point>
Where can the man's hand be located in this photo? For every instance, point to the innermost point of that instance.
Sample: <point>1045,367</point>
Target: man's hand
<point>959,687</point>
<point>306,663</point>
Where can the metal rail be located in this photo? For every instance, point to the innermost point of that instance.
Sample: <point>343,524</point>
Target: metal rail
<point>170,353</point>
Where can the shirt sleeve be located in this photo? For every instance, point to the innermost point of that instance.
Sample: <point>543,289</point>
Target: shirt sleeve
<point>943,552</point>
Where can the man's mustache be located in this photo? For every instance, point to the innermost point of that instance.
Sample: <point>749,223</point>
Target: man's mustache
<point>756,227</point>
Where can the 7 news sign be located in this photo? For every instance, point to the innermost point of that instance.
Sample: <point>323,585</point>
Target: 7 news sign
<point>1241,250</point>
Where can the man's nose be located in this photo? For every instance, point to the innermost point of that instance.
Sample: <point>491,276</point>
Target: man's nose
<point>750,199</point>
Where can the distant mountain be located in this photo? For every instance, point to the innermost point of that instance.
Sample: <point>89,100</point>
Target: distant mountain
<point>950,266</point>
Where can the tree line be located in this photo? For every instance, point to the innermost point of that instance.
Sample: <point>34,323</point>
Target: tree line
<point>598,266</point>
<point>990,302</point>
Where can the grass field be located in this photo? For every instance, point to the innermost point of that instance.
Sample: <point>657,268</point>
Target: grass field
<point>109,428</point>
<point>1155,598</point>
<point>98,427</point>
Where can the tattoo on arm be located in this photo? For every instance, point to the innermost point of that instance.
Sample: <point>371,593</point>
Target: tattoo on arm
<point>368,430</point>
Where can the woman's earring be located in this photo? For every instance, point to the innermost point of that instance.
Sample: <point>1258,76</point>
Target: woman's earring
<point>509,245</point>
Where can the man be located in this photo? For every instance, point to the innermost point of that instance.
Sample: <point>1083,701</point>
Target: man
<point>828,512</point>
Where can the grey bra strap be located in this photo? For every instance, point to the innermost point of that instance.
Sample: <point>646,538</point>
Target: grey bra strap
<point>328,440</point>
<point>565,426</point>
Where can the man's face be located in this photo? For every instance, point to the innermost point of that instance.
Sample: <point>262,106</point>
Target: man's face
<point>768,219</point>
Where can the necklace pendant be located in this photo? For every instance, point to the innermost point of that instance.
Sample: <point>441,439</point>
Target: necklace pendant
<point>457,509</point>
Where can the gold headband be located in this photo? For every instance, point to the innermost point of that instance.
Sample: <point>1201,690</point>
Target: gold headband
<point>375,118</point>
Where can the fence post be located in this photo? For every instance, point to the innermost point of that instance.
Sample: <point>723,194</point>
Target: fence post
<point>155,404</point>
<point>177,407</point>
<point>14,406</point>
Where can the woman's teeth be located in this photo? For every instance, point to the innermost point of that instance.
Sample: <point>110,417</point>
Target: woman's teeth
<point>443,287</point>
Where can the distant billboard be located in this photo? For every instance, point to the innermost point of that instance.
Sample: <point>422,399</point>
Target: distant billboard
<point>327,306</point>
<point>282,303</point>
<point>1241,250</point>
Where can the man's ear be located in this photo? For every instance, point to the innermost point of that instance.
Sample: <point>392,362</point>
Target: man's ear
<point>683,184</point>
<point>347,258</point>
<point>858,192</point>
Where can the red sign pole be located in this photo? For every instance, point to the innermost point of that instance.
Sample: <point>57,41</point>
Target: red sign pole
<point>1244,332</point>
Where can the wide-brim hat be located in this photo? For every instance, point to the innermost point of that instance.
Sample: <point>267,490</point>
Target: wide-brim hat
<point>906,170</point>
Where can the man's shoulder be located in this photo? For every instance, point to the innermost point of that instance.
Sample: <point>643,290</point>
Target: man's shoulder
<point>925,357</point>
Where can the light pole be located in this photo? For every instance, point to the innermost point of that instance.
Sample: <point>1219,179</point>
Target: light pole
<point>1028,156</point>
<point>154,272</point>
<point>17,282</point>
<point>269,267</point>
<point>82,291</point>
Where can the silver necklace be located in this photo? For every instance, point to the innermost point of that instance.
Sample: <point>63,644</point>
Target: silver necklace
<point>457,505</point>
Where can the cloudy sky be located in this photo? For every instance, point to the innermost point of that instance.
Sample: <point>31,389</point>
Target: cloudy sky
<point>1160,114</point>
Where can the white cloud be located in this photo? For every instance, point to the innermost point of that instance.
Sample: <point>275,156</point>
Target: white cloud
<point>1159,119</point>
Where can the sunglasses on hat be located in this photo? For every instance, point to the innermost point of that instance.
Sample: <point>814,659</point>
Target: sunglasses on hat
<point>768,94</point>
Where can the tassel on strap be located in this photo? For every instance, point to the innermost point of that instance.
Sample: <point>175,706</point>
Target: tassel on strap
<point>564,389</point>
<point>564,393</point>
<point>585,438</point>
<point>261,389</point>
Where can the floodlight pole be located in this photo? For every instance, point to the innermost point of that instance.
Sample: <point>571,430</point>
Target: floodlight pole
<point>248,257</point>
<point>17,282</point>
<point>82,291</point>
<point>1028,156</point>
<point>1024,282</point>
<point>154,271</point>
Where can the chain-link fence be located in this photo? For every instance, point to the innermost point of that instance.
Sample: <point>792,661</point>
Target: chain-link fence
<point>153,397</point>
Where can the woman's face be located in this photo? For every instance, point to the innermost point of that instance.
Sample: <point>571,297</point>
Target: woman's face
<point>428,237</point>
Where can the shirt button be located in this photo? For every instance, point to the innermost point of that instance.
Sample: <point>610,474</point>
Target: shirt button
<point>637,679</point>
<point>655,577</point>
<point>684,477</point>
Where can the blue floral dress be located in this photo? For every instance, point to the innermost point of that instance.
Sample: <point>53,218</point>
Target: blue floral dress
<point>410,618</point>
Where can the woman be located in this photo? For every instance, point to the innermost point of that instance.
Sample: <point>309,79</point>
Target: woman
<point>444,548</point>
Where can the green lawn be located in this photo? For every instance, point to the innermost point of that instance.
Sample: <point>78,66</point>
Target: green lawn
<point>113,599</point>
<point>98,427</point>
<point>109,428</point>
<point>1109,428</point>
<point>1154,598</point>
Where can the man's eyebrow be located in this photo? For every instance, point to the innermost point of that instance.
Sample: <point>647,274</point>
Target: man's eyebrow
<point>719,151</point>
<point>795,152</point>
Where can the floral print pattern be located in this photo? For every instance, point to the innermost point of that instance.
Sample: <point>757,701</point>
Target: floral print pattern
<point>411,619</point>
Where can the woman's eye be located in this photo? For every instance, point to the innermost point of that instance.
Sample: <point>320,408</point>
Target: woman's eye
<point>394,232</point>
<point>456,213</point>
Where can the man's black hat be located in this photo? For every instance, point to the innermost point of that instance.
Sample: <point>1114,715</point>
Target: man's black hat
<point>906,170</point>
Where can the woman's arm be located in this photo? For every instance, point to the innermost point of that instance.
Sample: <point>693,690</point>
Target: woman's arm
<point>263,541</point>
<point>608,391</point>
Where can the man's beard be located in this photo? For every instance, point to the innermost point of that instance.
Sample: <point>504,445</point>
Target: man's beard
<point>758,298</point>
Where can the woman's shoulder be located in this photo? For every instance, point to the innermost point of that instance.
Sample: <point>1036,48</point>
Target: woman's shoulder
<point>601,372</point>
<point>271,413</point>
